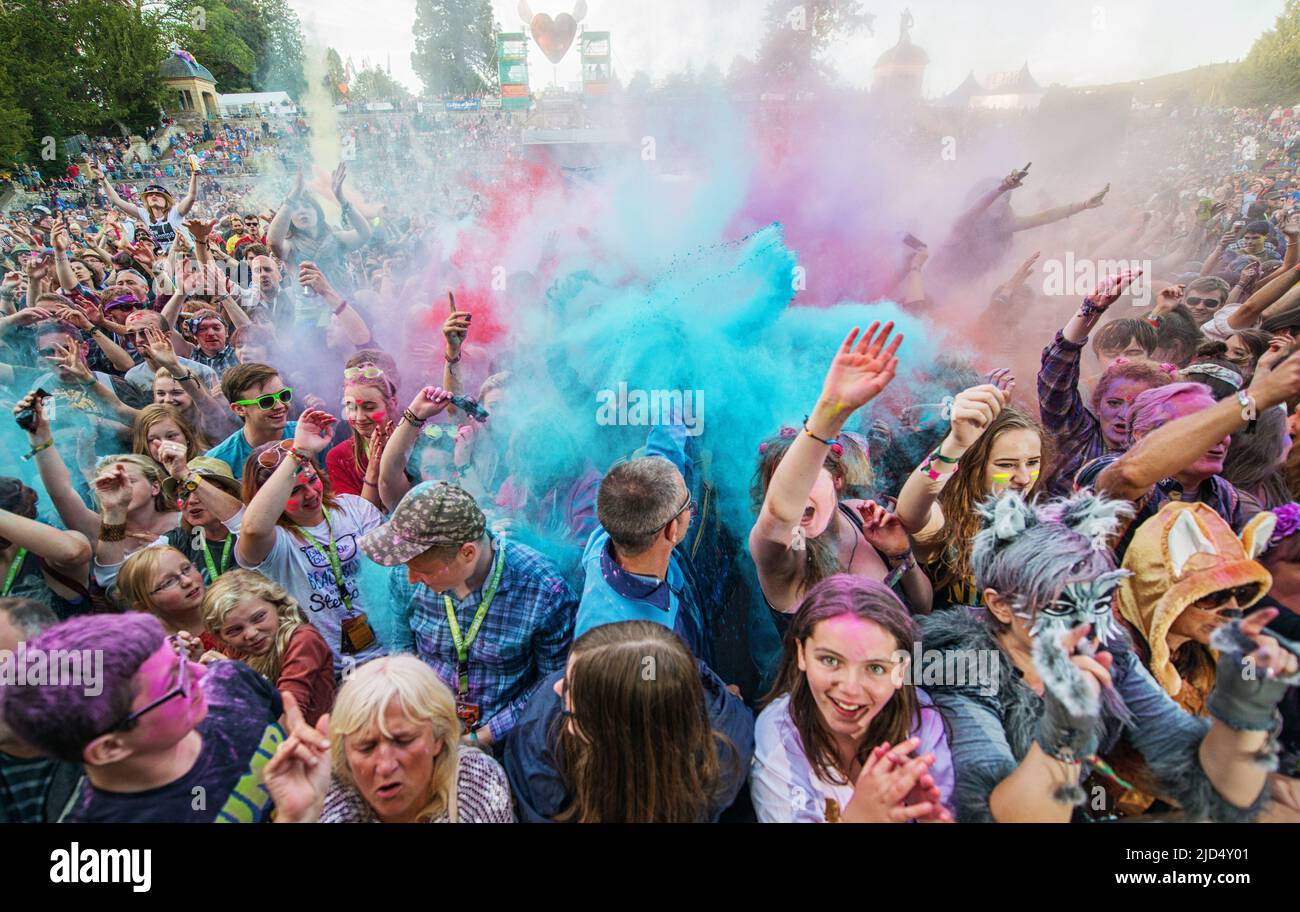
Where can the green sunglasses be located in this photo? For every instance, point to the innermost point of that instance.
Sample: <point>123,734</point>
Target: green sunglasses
<point>267,402</point>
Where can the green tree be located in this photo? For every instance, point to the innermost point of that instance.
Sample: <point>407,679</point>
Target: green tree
<point>1270,74</point>
<point>335,75</point>
<point>248,45</point>
<point>799,31</point>
<point>455,46</point>
<point>376,85</point>
<point>74,66</point>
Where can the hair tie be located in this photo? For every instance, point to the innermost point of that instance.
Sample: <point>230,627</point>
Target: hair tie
<point>837,449</point>
<point>1168,368</point>
<point>788,432</point>
<point>762,448</point>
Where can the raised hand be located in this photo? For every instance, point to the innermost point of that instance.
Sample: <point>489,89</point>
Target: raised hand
<point>336,182</point>
<point>113,491</point>
<point>171,454</point>
<point>1108,289</point>
<point>310,276</point>
<point>859,372</point>
<point>159,349</point>
<point>41,426</point>
<point>298,776</point>
<point>882,529</point>
<point>430,401</point>
<point>1097,199</point>
<point>315,431</point>
<point>455,328</point>
<point>1168,299</point>
<point>200,229</point>
<point>69,358</point>
<point>1015,179</point>
<point>973,410</point>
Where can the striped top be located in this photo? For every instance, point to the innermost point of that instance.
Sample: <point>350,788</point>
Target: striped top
<point>482,795</point>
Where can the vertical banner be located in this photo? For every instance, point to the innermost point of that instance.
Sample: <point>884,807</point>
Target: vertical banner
<point>512,70</point>
<point>596,71</point>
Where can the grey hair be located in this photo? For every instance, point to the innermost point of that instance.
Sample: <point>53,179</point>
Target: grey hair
<point>28,616</point>
<point>1030,552</point>
<point>636,500</point>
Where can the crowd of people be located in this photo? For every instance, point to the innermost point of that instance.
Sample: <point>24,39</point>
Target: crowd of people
<point>326,570</point>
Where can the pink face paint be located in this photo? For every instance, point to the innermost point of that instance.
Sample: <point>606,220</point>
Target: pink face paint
<point>291,504</point>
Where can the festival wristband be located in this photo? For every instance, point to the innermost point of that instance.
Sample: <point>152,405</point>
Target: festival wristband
<point>36,449</point>
<point>409,417</point>
<point>1089,310</point>
<point>831,442</point>
<point>112,533</point>
<point>342,307</point>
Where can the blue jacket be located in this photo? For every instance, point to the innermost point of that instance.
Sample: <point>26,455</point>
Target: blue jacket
<point>611,594</point>
<point>540,790</point>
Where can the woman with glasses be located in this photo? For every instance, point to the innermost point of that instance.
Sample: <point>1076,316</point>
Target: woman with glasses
<point>162,581</point>
<point>634,730</point>
<point>390,752</point>
<point>804,533</point>
<point>370,409</point>
<point>296,531</point>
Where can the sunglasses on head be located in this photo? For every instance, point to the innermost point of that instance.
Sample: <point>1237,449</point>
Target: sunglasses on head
<point>267,402</point>
<point>369,371</point>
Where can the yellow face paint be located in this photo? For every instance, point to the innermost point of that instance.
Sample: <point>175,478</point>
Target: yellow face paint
<point>1002,478</point>
<point>1033,475</point>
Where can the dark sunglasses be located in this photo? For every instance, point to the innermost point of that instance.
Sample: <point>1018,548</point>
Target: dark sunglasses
<point>1207,303</point>
<point>267,402</point>
<point>1216,600</point>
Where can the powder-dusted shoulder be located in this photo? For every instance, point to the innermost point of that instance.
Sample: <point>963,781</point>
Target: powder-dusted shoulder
<point>483,792</point>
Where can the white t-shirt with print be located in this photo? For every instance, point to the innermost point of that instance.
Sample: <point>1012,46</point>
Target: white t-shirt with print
<point>305,571</point>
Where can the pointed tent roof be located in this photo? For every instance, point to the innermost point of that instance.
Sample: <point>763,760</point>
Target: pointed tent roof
<point>1020,83</point>
<point>960,95</point>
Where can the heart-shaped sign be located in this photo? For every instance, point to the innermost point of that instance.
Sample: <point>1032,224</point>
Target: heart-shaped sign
<point>554,36</point>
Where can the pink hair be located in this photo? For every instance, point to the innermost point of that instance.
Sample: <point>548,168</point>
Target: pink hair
<point>1158,406</point>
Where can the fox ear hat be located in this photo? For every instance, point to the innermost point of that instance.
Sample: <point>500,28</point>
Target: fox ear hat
<point>1179,556</point>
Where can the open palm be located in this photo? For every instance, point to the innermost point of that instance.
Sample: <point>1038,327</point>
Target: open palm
<point>859,372</point>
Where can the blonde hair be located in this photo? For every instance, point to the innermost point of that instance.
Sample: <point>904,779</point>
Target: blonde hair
<point>423,699</point>
<point>138,577</point>
<point>229,591</point>
<point>152,472</point>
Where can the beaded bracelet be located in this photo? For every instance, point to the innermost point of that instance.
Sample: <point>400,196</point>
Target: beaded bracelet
<point>831,442</point>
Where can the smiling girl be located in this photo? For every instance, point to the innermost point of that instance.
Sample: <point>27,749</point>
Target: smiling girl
<point>369,407</point>
<point>843,736</point>
<point>990,449</point>
<point>260,624</point>
<point>157,424</point>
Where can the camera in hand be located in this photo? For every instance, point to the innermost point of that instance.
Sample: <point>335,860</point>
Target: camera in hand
<point>26,418</point>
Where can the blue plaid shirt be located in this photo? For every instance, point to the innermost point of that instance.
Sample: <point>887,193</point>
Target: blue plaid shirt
<point>525,636</point>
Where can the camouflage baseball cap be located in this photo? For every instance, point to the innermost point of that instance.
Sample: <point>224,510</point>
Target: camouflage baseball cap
<point>431,515</point>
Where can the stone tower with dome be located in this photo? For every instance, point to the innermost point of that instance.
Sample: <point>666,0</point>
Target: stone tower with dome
<point>900,72</point>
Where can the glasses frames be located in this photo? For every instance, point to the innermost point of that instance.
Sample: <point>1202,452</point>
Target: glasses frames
<point>175,579</point>
<point>267,402</point>
<point>368,371</point>
<point>182,688</point>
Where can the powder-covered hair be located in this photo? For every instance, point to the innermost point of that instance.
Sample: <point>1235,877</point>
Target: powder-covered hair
<point>1139,370</point>
<point>423,699</point>
<point>1030,552</point>
<point>1158,406</point>
<point>62,719</point>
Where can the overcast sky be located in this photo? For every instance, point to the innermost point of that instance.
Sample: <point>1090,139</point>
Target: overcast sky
<point>1071,42</point>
